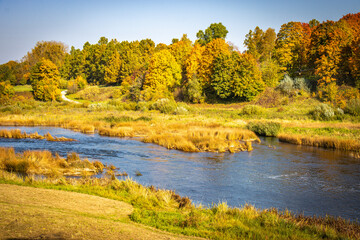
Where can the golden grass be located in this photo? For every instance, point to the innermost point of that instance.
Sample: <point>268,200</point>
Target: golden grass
<point>319,141</point>
<point>17,134</point>
<point>45,163</point>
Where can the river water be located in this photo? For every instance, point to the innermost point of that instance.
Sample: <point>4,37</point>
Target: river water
<point>302,179</point>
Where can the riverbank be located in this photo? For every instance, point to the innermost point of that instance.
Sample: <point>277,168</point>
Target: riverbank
<point>162,209</point>
<point>38,213</point>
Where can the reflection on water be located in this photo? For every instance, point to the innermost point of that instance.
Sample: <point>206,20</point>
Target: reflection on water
<point>302,179</point>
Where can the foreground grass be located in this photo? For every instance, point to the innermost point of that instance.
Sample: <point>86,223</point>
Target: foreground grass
<point>166,210</point>
<point>35,213</point>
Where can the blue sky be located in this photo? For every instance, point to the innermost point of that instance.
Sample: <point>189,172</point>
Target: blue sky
<point>74,22</point>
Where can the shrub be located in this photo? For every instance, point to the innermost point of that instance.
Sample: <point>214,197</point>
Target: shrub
<point>296,86</point>
<point>181,111</point>
<point>270,98</point>
<point>6,92</point>
<point>353,107</point>
<point>142,106</point>
<point>63,84</point>
<point>89,93</point>
<point>286,85</point>
<point>164,105</point>
<point>251,110</point>
<point>267,129</point>
<point>77,84</point>
<point>323,112</point>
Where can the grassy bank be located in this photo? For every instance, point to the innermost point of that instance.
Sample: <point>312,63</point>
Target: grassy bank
<point>168,211</point>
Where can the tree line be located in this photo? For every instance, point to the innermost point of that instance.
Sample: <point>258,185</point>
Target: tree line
<point>326,54</point>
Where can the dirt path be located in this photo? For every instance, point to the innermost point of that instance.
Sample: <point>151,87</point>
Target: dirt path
<point>34,213</point>
<point>63,97</point>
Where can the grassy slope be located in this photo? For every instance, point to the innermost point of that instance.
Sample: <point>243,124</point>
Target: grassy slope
<point>34,213</point>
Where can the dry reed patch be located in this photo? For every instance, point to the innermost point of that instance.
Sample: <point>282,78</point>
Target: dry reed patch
<point>45,163</point>
<point>318,141</point>
<point>17,134</point>
<point>203,139</point>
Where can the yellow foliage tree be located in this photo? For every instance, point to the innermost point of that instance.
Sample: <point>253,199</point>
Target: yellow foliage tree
<point>112,69</point>
<point>45,80</point>
<point>164,74</point>
<point>212,50</point>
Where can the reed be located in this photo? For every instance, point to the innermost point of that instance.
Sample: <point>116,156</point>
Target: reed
<point>320,141</point>
<point>17,134</point>
<point>44,162</point>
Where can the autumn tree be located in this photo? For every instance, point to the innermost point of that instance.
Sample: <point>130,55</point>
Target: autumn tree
<point>354,62</point>
<point>214,31</point>
<point>44,78</point>
<point>164,74</point>
<point>292,47</point>
<point>7,74</point>
<point>192,85</point>
<point>181,49</point>
<point>261,46</point>
<point>212,50</point>
<point>328,42</point>
<point>51,50</point>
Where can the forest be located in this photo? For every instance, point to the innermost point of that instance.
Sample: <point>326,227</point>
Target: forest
<point>315,59</point>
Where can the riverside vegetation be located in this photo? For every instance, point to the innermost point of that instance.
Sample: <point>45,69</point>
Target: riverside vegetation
<point>166,210</point>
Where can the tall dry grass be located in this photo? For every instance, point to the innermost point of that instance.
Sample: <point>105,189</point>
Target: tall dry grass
<point>45,163</point>
<point>319,141</point>
<point>17,134</point>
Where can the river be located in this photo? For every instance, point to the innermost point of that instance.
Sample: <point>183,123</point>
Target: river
<point>308,180</point>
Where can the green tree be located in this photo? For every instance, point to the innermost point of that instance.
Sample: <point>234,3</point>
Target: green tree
<point>214,31</point>
<point>6,74</point>
<point>247,81</point>
<point>164,74</point>
<point>44,80</point>
<point>237,76</point>
<point>222,79</point>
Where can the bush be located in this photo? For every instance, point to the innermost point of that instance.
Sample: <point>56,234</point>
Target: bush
<point>164,105</point>
<point>6,92</point>
<point>270,98</point>
<point>296,86</point>
<point>76,84</point>
<point>267,129</point>
<point>286,85</point>
<point>353,107</point>
<point>251,110</point>
<point>322,112</point>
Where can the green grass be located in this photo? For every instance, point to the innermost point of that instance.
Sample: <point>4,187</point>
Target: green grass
<point>23,88</point>
<point>343,133</point>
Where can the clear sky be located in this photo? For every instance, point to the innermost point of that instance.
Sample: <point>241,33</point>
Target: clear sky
<point>74,22</point>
